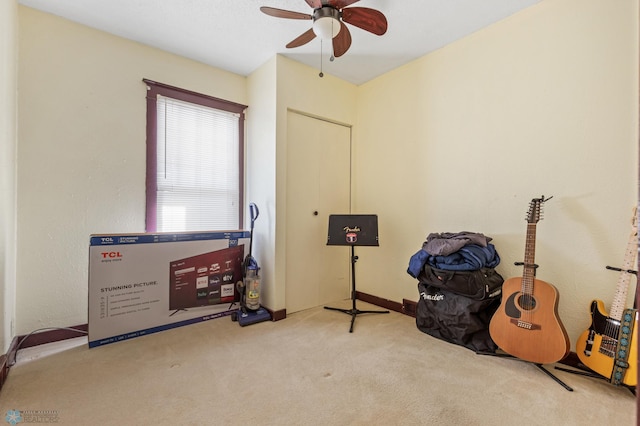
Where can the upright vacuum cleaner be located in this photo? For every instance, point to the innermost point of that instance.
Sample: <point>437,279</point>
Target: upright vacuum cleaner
<point>250,311</point>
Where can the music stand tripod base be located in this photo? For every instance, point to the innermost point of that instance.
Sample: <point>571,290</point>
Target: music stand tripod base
<point>354,312</point>
<point>353,230</point>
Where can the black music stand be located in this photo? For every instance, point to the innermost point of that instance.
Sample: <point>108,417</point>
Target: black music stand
<point>353,230</point>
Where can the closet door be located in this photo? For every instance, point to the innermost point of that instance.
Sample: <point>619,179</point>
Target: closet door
<point>318,184</point>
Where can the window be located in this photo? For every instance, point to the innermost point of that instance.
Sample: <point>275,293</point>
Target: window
<point>194,161</point>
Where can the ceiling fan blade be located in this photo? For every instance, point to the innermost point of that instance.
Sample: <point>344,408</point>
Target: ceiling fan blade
<point>339,4</point>
<point>280,13</point>
<point>314,3</point>
<point>342,41</point>
<point>302,39</point>
<point>368,19</point>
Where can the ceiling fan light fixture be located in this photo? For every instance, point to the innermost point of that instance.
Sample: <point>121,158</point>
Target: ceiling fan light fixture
<point>326,23</point>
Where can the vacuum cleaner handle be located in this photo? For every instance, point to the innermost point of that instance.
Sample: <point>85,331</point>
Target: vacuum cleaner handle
<point>254,212</point>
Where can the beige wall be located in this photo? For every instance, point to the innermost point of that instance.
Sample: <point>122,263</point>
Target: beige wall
<point>82,156</point>
<point>542,103</point>
<point>261,175</point>
<point>277,86</point>
<point>81,160</point>
<point>8,134</point>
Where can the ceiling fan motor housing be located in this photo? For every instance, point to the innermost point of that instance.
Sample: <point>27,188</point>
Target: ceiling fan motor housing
<point>326,22</point>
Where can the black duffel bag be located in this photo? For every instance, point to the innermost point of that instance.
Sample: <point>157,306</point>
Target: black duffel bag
<point>455,318</point>
<point>479,284</point>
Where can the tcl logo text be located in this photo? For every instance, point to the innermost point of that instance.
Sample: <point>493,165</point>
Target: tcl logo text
<point>110,254</point>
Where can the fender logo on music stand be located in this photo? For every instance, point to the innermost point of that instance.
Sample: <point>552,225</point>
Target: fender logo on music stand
<point>353,230</point>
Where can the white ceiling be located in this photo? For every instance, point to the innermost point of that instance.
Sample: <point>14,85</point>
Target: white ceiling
<point>234,35</point>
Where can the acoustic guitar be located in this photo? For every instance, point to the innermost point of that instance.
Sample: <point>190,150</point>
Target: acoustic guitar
<point>526,324</point>
<point>597,347</point>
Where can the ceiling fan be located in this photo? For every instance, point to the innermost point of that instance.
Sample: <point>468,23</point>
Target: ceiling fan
<point>328,18</point>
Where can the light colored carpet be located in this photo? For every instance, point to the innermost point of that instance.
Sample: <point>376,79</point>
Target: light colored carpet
<point>304,370</point>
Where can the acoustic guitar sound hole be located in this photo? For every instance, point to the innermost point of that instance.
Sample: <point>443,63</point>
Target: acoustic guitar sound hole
<point>527,302</point>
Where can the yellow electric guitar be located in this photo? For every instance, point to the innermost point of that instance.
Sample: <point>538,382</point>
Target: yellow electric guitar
<point>610,341</point>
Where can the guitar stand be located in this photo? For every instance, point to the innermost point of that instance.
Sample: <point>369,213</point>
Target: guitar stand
<point>588,373</point>
<point>539,366</point>
<point>629,271</point>
<point>354,311</point>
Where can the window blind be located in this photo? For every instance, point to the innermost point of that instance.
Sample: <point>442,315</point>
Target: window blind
<point>197,167</point>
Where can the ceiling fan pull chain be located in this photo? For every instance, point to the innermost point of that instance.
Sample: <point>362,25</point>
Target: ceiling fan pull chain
<point>321,73</point>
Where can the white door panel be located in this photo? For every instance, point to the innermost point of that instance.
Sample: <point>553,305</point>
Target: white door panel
<point>318,184</point>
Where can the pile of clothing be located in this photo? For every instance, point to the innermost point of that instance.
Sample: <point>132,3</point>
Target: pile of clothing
<point>459,288</point>
<point>460,251</point>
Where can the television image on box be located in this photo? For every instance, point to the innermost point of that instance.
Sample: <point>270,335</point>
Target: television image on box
<point>205,279</point>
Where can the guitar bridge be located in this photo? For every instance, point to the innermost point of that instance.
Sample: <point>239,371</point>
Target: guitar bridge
<point>608,347</point>
<point>526,325</point>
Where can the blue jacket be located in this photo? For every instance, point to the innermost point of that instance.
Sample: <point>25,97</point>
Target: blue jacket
<point>468,258</point>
